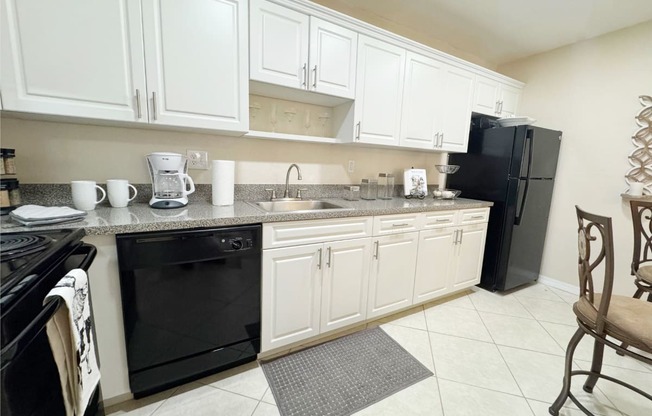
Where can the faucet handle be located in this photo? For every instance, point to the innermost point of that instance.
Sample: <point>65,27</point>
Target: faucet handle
<point>273,191</point>
<point>299,192</point>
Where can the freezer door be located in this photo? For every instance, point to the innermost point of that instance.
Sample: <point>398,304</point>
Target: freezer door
<point>541,149</point>
<point>529,235</point>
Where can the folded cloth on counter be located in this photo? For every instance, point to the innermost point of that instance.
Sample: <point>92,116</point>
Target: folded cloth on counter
<point>71,339</point>
<point>30,215</point>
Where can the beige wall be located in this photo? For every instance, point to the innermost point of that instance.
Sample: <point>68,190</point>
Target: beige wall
<point>589,90</point>
<point>57,152</point>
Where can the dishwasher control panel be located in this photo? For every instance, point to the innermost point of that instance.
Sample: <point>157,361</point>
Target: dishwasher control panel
<point>235,243</point>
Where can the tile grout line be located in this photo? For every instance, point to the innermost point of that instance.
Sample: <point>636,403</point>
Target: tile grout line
<point>163,401</point>
<point>434,365</point>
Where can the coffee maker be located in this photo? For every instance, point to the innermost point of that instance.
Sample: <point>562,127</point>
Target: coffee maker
<point>170,180</point>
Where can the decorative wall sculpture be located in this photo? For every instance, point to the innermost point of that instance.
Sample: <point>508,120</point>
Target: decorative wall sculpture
<point>641,157</point>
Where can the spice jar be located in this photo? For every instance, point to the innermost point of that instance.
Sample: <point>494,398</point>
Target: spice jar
<point>352,193</point>
<point>368,189</point>
<point>14,193</point>
<point>5,202</point>
<point>2,161</point>
<point>385,185</point>
<point>9,162</point>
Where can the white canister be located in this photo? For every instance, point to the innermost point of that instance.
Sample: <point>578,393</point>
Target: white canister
<point>223,182</point>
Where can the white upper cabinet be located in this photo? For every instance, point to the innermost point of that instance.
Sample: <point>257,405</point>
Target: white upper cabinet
<point>436,105</point>
<point>74,58</point>
<point>423,94</point>
<point>455,114</point>
<point>494,98</point>
<point>196,55</point>
<point>379,92</point>
<point>292,49</point>
<point>89,59</point>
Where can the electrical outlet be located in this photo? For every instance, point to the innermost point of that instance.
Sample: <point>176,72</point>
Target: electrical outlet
<point>351,166</point>
<point>197,159</point>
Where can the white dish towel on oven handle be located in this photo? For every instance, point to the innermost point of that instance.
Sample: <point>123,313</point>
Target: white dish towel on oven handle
<point>71,339</point>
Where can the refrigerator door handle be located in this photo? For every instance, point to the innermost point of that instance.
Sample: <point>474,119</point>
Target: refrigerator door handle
<point>529,136</point>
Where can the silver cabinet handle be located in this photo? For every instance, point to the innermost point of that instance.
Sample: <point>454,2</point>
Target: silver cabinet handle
<point>497,106</point>
<point>314,77</point>
<point>138,112</point>
<point>328,257</point>
<point>441,140</point>
<point>461,235</point>
<point>476,217</point>
<point>357,131</point>
<point>319,259</point>
<point>376,249</point>
<point>436,140</point>
<point>442,220</point>
<point>154,105</point>
<point>455,240</point>
<point>400,225</point>
<point>501,107</point>
<point>305,73</point>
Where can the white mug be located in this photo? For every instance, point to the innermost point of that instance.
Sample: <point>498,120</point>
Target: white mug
<point>84,195</point>
<point>119,192</point>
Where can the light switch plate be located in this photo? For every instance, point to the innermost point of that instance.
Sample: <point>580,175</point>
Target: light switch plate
<point>197,159</point>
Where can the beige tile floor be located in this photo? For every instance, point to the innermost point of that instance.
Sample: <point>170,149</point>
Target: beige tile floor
<point>491,354</point>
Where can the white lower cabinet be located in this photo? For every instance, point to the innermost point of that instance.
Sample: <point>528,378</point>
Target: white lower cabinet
<point>469,251</point>
<point>434,264</point>
<point>391,280</point>
<point>323,275</point>
<point>312,289</point>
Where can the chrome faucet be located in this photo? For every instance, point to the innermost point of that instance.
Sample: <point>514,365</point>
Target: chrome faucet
<point>286,194</point>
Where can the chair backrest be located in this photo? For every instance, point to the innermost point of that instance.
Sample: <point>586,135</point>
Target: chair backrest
<point>595,246</point>
<point>642,221</point>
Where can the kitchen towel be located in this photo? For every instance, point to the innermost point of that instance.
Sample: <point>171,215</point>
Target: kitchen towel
<point>71,339</point>
<point>30,215</point>
<point>223,182</point>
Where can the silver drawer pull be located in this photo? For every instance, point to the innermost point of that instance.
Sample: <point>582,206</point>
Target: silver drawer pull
<point>401,225</point>
<point>477,217</point>
<point>443,220</point>
<point>319,259</point>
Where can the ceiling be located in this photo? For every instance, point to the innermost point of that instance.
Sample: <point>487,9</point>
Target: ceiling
<point>498,31</point>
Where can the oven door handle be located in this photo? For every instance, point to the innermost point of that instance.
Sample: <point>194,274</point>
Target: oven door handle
<point>13,350</point>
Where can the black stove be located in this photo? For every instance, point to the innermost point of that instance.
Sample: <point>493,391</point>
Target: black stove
<point>32,263</point>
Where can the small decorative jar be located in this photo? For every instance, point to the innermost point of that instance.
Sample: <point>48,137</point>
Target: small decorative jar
<point>352,193</point>
<point>368,189</point>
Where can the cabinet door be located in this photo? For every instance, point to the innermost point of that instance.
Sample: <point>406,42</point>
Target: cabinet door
<point>509,97</point>
<point>196,54</point>
<point>73,58</point>
<point>470,252</point>
<point>456,115</point>
<point>422,95</point>
<point>344,284</point>
<point>379,92</point>
<point>291,295</point>
<point>391,280</point>
<point>333,55</point>
<point>279,45</point>
<point>435,262</point>
<point>486,95</point>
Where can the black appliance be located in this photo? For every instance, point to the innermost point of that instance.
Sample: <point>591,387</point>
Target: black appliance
<point>513,167</point>
<point>32,264</point>
<point>190,303</point>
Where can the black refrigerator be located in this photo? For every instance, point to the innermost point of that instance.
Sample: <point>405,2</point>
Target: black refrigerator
<point>513,167</point>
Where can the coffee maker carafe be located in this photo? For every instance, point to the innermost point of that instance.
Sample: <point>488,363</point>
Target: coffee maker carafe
<point>170,180</point>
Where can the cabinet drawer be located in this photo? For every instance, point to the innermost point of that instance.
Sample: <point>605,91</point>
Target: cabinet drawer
<point>392,224</point>
<point>439,219</point>
<point>284,234</point>
<point>473,216</point>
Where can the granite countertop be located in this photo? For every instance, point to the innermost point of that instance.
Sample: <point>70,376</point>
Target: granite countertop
<point>140,217</point>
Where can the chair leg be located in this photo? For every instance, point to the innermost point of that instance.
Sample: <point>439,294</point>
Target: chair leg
<point>596,366</point>
<point>649,297</point>
<point>637,295</point>
<point>565,390</point>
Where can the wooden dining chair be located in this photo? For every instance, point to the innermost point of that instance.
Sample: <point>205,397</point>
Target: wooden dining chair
<point>601,314</point>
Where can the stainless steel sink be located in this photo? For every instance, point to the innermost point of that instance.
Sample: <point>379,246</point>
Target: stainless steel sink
<point>297,206</point>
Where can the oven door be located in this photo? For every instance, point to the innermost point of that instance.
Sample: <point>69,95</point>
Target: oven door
<point>30,379</point>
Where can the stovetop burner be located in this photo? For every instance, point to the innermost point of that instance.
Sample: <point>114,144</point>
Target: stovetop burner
<point>18,245</point>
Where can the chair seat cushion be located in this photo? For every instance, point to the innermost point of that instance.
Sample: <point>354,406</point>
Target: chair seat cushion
<point>629,320</point>
<point>645,273</point>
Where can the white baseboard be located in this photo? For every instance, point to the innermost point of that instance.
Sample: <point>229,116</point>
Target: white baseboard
<point>558,284</point>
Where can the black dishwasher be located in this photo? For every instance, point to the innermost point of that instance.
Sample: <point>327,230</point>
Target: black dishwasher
<point>190,303</point>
